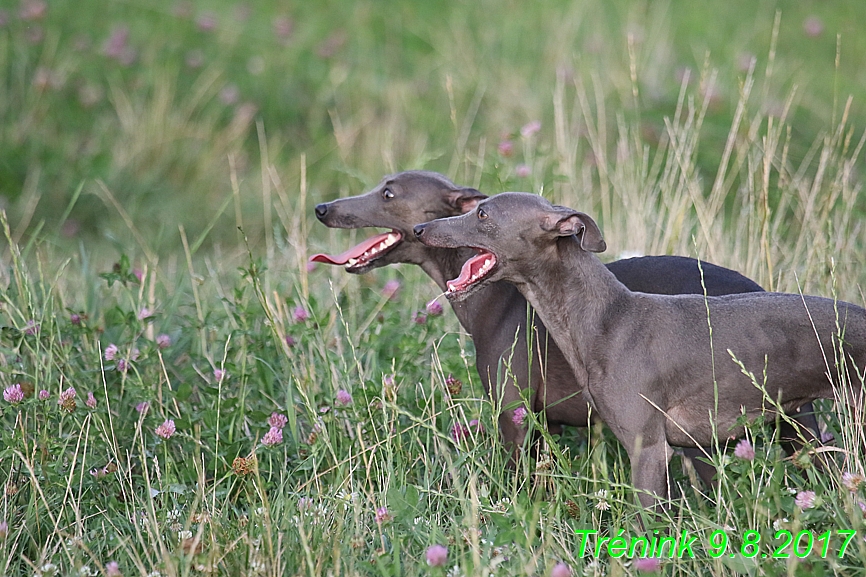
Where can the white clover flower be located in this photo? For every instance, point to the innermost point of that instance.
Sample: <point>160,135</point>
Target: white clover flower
<point>602,504</point>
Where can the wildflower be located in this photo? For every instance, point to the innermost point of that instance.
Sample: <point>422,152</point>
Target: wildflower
<point>522,171</point>
<point>123,365</point>
<point>805,500</point>
<point>112,569</point>
<point>560,570</point>
<point>530,128</point>
<point>230,94</point>
<point>283,28</point>
<point>144,313</point>
<point>390,289</point>
<point>48,569</point>
<point>273,437</point>
<point>67,399</point>
<point>389,389</point>
<point>75,319</point>
<point>110,352</point>
<point>305,503</point>
<point>207,22</point>
<point>433,308</point>
<point>163,341</point>
<point>91,400</point>
<point>142,407</point>
<point>167,429</point>
<point>244,465</point>
<point>388,380</point>
<point>220,375</point>
<point>195,58</point>
<point>519,416</point>
<point>813,26</point>
<point>506,148</point>
<point>117,46</point>
<point>43,395</point>
<point>744,450</point>
<point>331,44</point>
<point>459,432</point>
<point>476,424</point>
<point>437,555</point>
<point>13,394</point>
<point>138,274</point>
<point>453,385</point>
<point>290,341</point>
<point>647,564</point>
<point>745,61</point>
<point>419,318</point>
<point>602,504</point>
<point>382,515</point>
<point>99,473</point>
<point>4,529</point>
<point>278,420</point>
<point>852,481</point>
<point>779,524</point>
<point>300,314</point>
<point>31,328</point>
<point>33,10</point>
<point>343,397</point>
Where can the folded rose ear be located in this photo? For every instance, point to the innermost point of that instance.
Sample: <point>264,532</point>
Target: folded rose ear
<point>566,222</point>
<point>464,200</point>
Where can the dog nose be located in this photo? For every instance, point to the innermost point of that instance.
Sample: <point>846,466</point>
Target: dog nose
<point>419,230</point>
<point>321,210</point>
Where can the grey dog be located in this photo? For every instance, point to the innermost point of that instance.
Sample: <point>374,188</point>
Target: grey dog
<point>661,371</point>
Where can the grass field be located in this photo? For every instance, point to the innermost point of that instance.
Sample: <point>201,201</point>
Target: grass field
<point>158,167</point>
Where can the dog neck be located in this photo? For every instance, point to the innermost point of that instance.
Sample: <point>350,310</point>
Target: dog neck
<point>572,292</point>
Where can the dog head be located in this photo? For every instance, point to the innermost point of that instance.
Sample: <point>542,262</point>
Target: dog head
<point>399,202</point>
<point>513,233</point>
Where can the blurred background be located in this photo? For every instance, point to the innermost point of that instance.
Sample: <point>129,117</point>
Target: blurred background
<point>201,113</point>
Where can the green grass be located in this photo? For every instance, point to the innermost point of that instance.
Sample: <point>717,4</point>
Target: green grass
<point>182,183</point>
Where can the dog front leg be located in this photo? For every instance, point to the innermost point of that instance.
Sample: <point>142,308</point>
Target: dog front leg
<point>649,470</point>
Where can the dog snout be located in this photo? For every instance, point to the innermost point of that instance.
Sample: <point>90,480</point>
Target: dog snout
<point>419,230</point>
<point>321,210</point>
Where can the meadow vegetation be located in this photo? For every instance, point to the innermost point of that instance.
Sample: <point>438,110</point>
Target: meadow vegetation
<point>184,396</point>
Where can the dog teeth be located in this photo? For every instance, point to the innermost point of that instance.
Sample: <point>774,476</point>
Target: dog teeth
<point>389,241</point>
<point>352,261</point>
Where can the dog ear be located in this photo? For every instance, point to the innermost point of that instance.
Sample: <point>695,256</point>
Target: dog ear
<point>567,222</point>
<point>464,200</point>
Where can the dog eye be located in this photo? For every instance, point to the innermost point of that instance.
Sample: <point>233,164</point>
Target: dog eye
<point>387,194</point>
<point>481,214</point>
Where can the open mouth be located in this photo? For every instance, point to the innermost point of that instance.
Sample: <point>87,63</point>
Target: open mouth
<point>473,271</point>
<point>364,253</point>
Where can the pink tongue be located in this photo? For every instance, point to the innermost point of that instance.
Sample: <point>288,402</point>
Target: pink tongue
<point>353,252</point>
<point>466,272</point>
